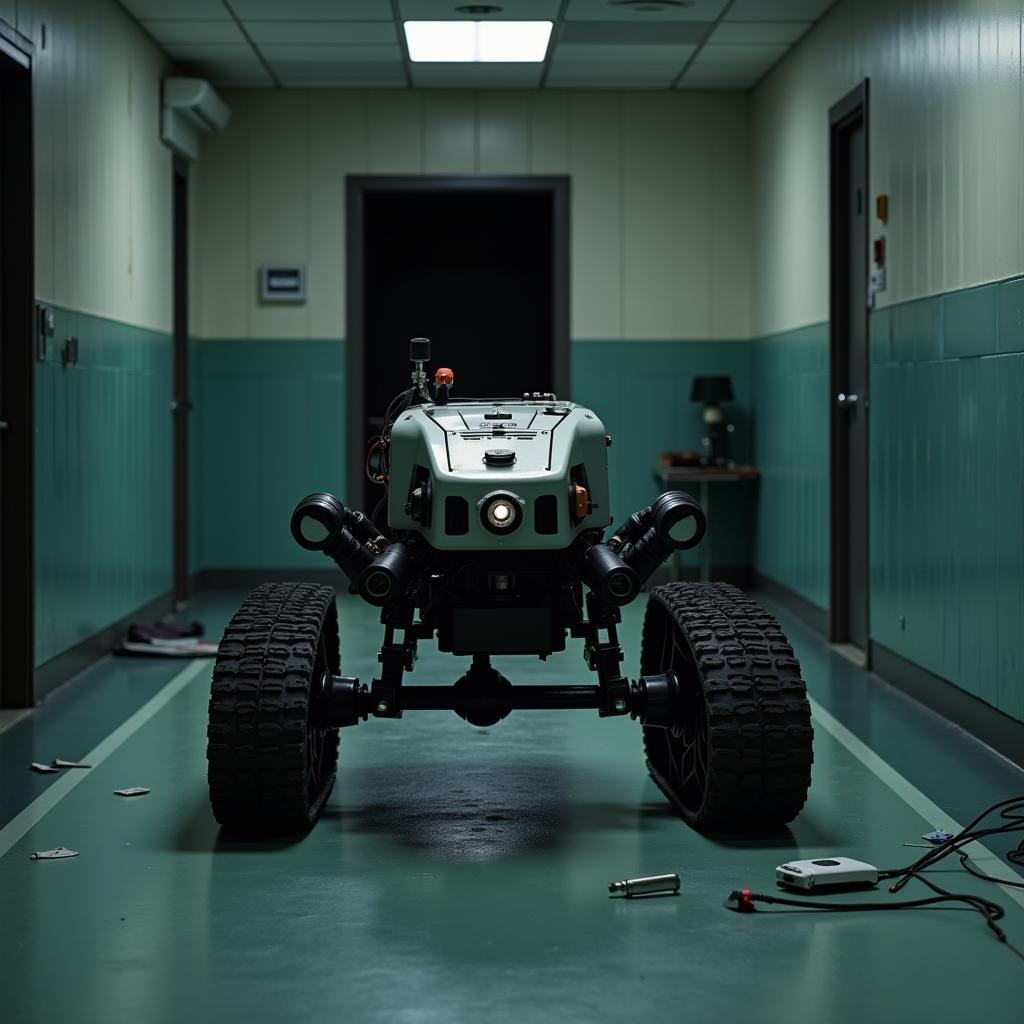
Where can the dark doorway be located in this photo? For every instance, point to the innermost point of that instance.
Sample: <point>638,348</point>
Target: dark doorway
<point>18,337</point>
<point>181,405</point>
<point>848,616</point>
<point>479,266</point>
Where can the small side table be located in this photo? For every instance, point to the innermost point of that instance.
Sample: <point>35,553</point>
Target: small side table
<point>668,476</point>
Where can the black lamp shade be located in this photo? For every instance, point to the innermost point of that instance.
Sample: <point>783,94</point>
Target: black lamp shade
<point>711,390</point>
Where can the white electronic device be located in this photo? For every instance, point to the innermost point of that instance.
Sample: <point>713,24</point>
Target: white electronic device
<point>825,872</point>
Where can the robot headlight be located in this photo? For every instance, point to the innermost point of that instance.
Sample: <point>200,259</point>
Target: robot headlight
<point>501,512</point>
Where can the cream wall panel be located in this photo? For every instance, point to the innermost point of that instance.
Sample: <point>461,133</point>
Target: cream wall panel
<point>337,123</point>
<point>647,242</point>
<point>595,163</point>
<point>103,179</point>
<point>223,282</point>
<point>395,127</point>
<point>449,132</point>
<point>280,204</point>
<point>503,134</point>
<point>548,114</point>
<point>729,250</point>
<point>946,145</point>
<point>9,12</point>
<point>651,186</point>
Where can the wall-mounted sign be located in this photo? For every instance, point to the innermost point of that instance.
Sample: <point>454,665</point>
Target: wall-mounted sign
<point>283,282</point>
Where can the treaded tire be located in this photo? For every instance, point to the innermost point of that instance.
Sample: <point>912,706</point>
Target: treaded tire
<point>270,767</point>
<point>739,757</point>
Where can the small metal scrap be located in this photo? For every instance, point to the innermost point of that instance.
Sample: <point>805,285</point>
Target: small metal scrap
<point>131,791</point>
<point>43,769</point>
<point>938,836</point>
<point>646,886</point>
<point>58,763</point>
<point>60,853</point>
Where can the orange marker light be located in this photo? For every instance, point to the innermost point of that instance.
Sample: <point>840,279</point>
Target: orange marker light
<point>443,375</point>
<point>581,501</point>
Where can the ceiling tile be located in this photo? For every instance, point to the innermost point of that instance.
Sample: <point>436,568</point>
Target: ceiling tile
<point>194,31</point>
<point>733,73</point>
<point>476,76</point>
<point>640,10</point>
<point>319,74</point>
<point>313,10</point>
<point>754,53</point>
<point>759,31</point>
<point>617,32</point>
<point>778,10</point>
<point>511,10</point>
<point>615,76</point>
<point>209,51</point>
<point>741,84</point>
<point>677,55</point>
<point>322,31</point>
<point>331,54</point>
<point>242,74</point>
<point>202,10</point>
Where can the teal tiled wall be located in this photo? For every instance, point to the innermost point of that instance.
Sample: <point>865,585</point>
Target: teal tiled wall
<point>269,428</point>
<point>790,431</point>
<point>103,478</point>
<point>270,421</point>
<point>947,488</point>
<point>641,391</point>
<point>946,484</point>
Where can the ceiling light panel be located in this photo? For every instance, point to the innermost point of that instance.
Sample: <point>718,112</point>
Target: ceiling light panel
<point>645,10</point>
<point>778,10</point>
<point>477,41</point>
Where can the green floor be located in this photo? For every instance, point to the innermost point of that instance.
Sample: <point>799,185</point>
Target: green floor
<point>460,873</point>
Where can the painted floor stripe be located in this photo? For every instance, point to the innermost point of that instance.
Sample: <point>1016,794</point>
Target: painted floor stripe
<point>934,815</point>
<point>20,825</point>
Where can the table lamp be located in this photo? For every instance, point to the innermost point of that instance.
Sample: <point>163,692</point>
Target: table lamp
<point>711,391</point>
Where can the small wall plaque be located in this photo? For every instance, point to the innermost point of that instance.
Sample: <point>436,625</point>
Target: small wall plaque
<point>283,282</point>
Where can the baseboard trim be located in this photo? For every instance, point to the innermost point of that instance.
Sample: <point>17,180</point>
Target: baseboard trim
<point>806,611</point>
<point>1002,733</point>
<point>63,666</point>
<point>246,579</point>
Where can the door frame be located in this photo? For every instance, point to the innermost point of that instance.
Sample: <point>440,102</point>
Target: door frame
<point>181,404</point>
<point>357,187</point>
<point>20,332</point>
<point>849,112</point>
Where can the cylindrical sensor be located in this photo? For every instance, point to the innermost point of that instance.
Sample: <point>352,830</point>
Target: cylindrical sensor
<point>386,578</point>
<point>646,886</point>
<point>607,574</point>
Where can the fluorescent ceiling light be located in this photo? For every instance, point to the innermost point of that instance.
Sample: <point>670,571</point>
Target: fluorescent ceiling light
<point>478,41</point>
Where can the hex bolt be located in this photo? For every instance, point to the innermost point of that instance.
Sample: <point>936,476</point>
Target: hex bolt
<point>620,704</point>
<point>382,708</point>
<point>646,886</point>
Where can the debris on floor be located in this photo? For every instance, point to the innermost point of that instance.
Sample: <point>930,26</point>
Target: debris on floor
<point>131,791</point>
<point>938,837</point>
<point>184,648</point>
<point>58,764</point>
<point>166,639</point>
<point>60,853</point>
<point>43,769</point>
